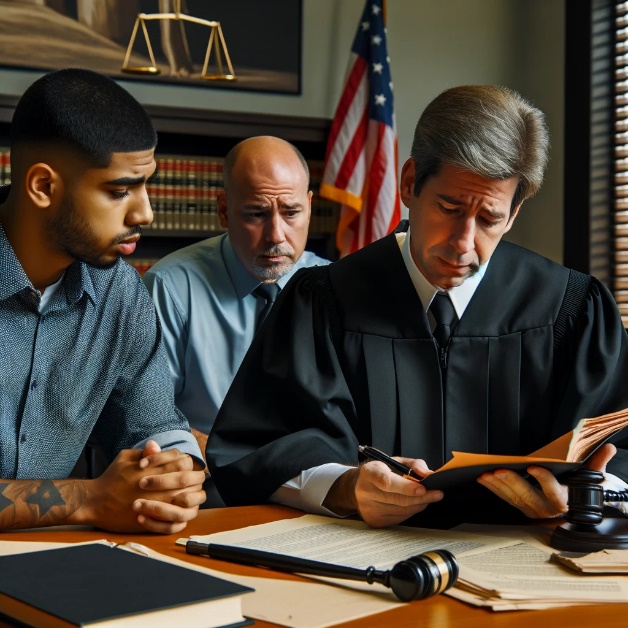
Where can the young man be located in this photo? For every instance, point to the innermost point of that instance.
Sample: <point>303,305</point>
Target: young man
<point>348,356</point>
<point>80,344</point>
<point>210,296</point>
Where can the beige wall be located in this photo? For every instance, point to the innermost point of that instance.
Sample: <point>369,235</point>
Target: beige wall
<point>433,44</point>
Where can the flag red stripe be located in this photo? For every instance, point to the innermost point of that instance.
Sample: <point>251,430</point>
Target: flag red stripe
<point>376,177</point>
<point>346,100</point>
<point>353,152</point>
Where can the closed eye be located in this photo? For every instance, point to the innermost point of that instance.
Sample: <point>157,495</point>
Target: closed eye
<point>447,210</point>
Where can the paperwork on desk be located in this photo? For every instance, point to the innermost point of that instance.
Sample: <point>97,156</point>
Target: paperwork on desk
<point>315,605</point>
<point>605,561</point>
<point>500,571</point>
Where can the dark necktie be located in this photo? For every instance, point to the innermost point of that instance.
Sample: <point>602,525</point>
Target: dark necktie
<point>267,292</point>
<point>445,316</point>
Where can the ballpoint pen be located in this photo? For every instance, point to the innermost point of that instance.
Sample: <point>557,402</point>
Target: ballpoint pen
<point>395,465</point>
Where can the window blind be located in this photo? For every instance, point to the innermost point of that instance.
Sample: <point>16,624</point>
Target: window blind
<point>620,214</point>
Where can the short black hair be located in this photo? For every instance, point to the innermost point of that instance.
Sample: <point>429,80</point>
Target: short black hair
<point>84,111</point>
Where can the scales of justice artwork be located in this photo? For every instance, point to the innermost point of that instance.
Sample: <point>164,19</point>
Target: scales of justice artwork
<point>231,44</point>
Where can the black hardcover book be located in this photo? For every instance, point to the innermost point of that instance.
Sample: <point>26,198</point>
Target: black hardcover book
<point>98,585</point>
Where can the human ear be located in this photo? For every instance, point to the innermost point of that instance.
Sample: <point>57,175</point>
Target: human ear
<point>406,185</point>
<point>43,183</point>
<point>309,205</point>
<point>221,209</point>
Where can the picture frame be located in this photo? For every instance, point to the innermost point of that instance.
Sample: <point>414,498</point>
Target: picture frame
<point>262,39</point>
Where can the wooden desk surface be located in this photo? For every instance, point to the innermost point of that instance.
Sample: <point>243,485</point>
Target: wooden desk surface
<point>435,612</point>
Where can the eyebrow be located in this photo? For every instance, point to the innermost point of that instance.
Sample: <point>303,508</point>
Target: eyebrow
<point>127,181</point>
<point>452,201</point>
<point>264,206</point>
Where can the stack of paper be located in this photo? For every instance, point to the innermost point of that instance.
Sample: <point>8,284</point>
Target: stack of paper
<point>605,561</point>
<point>507,570</point>
<point>525,576</point>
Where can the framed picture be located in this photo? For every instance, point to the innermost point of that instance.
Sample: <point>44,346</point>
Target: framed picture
<point>256,45</point>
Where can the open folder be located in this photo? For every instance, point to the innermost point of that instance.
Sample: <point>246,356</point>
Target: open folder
<point>566,453</point>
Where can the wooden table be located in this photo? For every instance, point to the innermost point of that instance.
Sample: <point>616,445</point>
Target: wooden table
<point>435,612</point>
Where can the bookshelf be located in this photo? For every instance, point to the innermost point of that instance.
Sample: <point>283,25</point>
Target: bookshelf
<point>192,145</point>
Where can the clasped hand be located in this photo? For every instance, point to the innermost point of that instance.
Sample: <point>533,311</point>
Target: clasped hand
<point>550,498</point>
<point>154,490</point>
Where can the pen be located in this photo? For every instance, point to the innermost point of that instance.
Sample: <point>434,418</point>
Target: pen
<point>395,465</point>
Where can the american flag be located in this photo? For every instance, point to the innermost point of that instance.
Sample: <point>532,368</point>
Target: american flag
<point>361,160</point>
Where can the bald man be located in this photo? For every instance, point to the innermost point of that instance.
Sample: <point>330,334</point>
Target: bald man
<point>212,296</point>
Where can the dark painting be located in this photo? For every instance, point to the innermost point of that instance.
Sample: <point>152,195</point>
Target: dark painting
<point>262,40</point>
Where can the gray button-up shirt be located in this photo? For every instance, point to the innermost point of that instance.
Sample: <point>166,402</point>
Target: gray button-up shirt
<point>94,359</point>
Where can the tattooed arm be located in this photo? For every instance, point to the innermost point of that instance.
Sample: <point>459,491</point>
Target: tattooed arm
<point>36,503</point>
<point>141,490</point>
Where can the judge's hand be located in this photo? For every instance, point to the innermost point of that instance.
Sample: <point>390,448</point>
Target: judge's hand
<point>381,497</point>
<point>547,501</point>
<point>144,490</point>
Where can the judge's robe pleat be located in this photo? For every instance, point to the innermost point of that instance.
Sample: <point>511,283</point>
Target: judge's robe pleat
<point>347,358</point>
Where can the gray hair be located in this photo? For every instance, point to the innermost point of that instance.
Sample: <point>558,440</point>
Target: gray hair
<point>488,130</point>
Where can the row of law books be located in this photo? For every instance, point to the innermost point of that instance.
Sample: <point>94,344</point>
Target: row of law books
<point>184,193</point>
<point>185,189</point>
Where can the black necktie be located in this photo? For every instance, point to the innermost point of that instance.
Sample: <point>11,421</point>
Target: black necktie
<point>445,316</point>
<point>268,293</point>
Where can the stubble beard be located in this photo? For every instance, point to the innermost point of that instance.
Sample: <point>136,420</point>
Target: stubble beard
<point>273,272</point>
<point>77,238</point>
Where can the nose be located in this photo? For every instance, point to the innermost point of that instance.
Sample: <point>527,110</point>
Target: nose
<point>275,228</point>
<point>141,213</point>
<point>463,236</point>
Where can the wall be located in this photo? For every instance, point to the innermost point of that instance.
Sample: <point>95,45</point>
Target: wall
<point>433,44</point>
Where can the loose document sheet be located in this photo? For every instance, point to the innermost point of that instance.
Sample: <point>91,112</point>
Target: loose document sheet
<point>501,571</point>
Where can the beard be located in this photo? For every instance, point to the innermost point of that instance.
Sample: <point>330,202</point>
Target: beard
<point>272,272</point>
<point>77,238</point>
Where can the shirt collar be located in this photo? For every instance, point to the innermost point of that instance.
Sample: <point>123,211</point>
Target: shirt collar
<point>76,281</point>
<point>243,282</point>
<point>14,278</point>
<point>460,295</point>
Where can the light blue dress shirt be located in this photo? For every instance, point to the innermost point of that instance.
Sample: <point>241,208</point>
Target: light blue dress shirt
<point>93,359</point>
<point>203,297</point>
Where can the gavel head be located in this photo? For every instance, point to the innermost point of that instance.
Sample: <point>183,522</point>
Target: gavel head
<point>423,575</point>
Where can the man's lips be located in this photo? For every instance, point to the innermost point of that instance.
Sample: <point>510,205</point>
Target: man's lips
<point>273,259</point>
<point>455,267</point>
<point>128,246</point>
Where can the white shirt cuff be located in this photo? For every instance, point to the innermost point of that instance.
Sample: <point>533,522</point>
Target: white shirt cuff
<point>308,490</point>
<point>613,483</point>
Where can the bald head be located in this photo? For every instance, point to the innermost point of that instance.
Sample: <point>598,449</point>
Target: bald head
<point>266,205</point>
<point>258,151</point>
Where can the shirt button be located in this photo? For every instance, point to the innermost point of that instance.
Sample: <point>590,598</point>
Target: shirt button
<point>33,385</point>
<point>23,438</point>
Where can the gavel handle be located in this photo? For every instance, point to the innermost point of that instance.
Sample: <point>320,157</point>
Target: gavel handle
<point>281,562</point>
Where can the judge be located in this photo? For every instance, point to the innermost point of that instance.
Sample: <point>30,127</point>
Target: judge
<point>359,353</point>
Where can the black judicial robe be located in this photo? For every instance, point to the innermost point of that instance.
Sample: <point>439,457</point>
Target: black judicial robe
<point>346,357</point>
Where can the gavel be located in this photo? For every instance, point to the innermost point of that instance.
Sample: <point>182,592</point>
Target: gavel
<point>415,578</point>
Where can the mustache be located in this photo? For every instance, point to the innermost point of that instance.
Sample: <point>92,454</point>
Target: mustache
<point>277,250</point>
<point>137,230</point>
